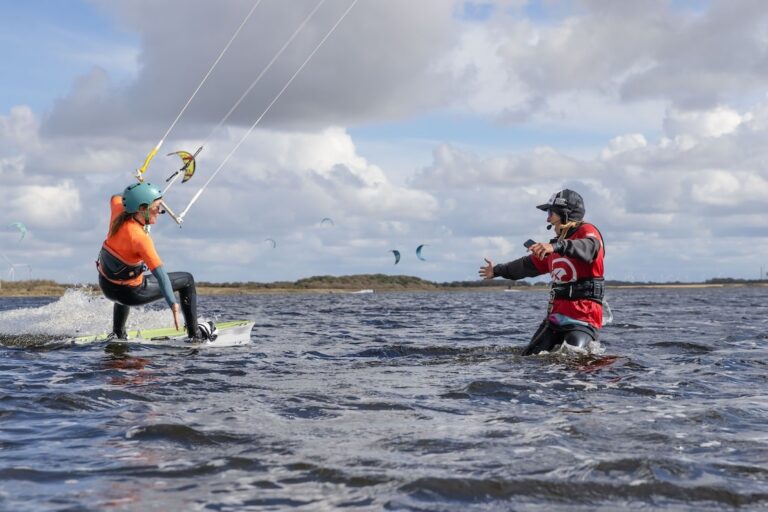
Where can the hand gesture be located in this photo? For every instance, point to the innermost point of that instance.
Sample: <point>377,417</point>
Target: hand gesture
<point>541,250</point>
<point>486,271</point>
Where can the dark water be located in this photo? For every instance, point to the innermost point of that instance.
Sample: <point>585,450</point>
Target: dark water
<point>401,401</point>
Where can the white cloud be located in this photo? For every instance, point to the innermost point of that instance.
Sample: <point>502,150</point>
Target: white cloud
<point>488,83</point>
<point>742,190</point>
<point>648,111</point>
<point>702,123</point>
<point>624,143</point>
<point>19,130</point>
<point>634,189</point>
<point>51,206</point>
<point>623,52</point>
<point>452,168</point>
<point>386,70</point>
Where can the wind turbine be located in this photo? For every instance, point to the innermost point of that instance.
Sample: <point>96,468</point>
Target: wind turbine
<point>12,268</point>
<point>29,269</point>
<point>12,271</point>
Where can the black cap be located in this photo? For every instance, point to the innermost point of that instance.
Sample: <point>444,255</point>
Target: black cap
<point>568,202</point>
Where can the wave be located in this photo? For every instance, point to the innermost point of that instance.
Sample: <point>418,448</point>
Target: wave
<point>183,435</point>
<point>590,493</point>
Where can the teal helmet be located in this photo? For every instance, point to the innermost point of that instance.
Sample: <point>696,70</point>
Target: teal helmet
<point>138,194</point>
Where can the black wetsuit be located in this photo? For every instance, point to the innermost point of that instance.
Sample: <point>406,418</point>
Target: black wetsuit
<point>149,291</point>
<point>549,336</point>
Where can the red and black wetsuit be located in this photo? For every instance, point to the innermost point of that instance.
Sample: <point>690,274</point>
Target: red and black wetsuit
<point>576,266</point>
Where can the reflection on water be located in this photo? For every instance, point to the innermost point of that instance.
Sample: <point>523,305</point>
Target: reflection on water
<point>132,370</point>
<point>402,401</point>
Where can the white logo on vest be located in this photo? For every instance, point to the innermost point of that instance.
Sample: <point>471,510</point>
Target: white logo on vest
<point>563,271</point>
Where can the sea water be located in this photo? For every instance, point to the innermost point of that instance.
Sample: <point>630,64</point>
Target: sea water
<point>390,401</point>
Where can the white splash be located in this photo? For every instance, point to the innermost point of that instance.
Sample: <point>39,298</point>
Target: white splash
<point>78,312</point>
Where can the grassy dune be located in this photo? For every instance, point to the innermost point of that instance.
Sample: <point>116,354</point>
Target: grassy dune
<point>346,284</point>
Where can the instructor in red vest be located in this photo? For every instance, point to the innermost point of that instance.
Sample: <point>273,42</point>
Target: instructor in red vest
<point>574,260</point>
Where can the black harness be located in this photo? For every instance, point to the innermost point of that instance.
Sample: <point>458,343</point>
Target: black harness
<point>114,269</point>
<point>592,288</point>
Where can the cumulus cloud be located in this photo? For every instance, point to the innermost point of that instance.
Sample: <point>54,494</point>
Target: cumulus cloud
<point>18,131</point>
<point>453,168</point>
<point>311,175</point>
<point>702,123</point>
<point>516,69</point>
<point>385,72</point>
<point>742,191</point>
<point>671,99</point>
<point>280,186</point>
<point>509,67</point>
<point>634,188</point>
<point>624,143</point>
<point>52,206</point>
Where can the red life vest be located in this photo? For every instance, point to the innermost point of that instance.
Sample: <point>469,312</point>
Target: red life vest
<point>564,269</point>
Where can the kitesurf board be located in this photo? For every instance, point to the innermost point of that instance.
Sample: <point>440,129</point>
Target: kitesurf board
<point>232,333</point>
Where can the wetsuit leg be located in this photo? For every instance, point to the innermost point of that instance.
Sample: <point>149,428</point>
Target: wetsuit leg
<point>149,291</point>
<point>578,338</point>
<point>545,338</point>
<point>184,283</point>
<point>119,318</point>
<point>181,282</point>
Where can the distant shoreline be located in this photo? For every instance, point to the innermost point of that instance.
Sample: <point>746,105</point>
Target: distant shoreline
<point>53,289</point>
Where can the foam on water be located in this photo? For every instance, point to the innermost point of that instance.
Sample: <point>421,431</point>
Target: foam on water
<point>77,312</point>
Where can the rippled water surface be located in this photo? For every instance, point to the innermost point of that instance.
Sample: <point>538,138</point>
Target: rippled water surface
<point>390,401</point>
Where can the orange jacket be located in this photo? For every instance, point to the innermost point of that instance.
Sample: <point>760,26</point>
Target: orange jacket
<point>131,245</point>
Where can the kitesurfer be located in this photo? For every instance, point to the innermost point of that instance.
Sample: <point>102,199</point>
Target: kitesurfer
<point>574,260</point>
<point>128,251</point>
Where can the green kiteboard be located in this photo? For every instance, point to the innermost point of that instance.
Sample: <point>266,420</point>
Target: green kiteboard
<point>232,333</point>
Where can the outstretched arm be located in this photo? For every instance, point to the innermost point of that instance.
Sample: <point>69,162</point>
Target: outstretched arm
<point>517,269</point>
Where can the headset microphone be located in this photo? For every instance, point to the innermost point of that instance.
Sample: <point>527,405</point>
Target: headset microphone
<point>549,226</point>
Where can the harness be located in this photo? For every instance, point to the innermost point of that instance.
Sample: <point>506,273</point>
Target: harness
<point>591,288</point>
<point>116,270</point>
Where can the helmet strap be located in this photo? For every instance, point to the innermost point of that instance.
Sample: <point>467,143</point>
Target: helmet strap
<point>144,217</point>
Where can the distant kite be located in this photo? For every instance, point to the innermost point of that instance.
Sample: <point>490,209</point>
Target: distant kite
<point>418,252</point>
<point>272,242</point>
<point>21,227</point>
<point>327,220</point>
<point>397,255</point>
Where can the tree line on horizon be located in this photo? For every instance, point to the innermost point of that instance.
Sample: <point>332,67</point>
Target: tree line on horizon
<point>363,281</point>
<point>368,281</point>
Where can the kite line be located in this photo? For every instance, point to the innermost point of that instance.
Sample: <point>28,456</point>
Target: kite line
<point>189,160</point>
<point>266,110</point>
<point>141,170</point>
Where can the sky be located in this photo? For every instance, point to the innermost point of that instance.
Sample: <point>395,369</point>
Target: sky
<point>435,122</point>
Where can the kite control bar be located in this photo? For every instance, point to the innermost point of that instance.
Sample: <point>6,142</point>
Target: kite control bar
<point>187,170</point>
<point>175,217</point>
